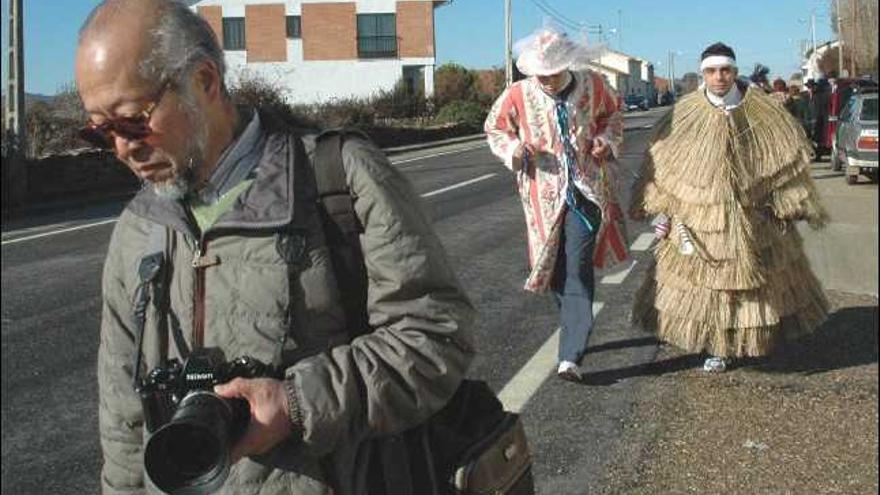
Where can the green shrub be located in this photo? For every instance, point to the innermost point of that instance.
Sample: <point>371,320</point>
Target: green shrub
<point>401,102</point>
<point>257,92</point>
<point>466,113</point>
<point>53,126</point>
<point>453,82</point>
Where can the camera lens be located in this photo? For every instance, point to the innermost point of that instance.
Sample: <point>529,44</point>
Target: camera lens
<point>190,454</point>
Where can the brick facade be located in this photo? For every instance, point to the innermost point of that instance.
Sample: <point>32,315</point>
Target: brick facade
<point>265,33</point>
<point>214,15</point>
<point>415,29</point>
<point>329,31</point>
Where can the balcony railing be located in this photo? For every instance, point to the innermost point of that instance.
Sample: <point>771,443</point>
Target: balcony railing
<point>377,47</point>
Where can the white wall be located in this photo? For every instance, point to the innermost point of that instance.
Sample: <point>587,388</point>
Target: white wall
<point>318,81</point>
<point>615,61</point>
<point>293,6</point>
<point>611,76</point>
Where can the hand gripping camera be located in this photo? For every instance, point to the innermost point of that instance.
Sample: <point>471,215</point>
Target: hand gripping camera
<point>191,428</point>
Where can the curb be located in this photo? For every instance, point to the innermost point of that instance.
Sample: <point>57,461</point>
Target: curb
<point>396,150</point>
<point>10,214</point>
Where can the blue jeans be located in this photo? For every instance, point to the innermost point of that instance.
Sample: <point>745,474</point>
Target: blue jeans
<point>573,283</point>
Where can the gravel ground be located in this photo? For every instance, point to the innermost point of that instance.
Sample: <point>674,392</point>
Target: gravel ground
<point>801,422</point>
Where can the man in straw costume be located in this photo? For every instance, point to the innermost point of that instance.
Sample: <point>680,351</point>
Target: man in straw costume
<point>728,167</point>
<point>556,130</point>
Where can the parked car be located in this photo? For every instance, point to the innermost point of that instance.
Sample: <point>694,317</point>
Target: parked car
<point>635,102</point>
<point>841,92</point>
<point>855,142</point>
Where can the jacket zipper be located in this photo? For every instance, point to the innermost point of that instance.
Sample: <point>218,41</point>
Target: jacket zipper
<point>201,260</point>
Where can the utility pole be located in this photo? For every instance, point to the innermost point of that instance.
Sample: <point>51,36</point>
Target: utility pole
<point>15,90</point>
<point>852,33</point>
<point>597,30</point>
<point>619,30</point>
<point>839,40</point>
<point>14,174</point>
<point>813,29</point>
<point>508,45</point>
<point>854,46</point>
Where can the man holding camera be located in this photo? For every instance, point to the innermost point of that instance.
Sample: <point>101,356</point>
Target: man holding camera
<point>247,269</point>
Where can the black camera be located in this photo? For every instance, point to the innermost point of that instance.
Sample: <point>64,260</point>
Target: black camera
<point>191,428</point>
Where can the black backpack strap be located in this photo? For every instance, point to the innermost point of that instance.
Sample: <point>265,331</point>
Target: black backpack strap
<point>342,228</point>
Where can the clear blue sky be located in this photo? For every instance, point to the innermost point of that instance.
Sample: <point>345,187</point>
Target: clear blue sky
<point>471,32</point>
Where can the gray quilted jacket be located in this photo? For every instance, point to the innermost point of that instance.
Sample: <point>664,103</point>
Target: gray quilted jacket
<point>242,301</point>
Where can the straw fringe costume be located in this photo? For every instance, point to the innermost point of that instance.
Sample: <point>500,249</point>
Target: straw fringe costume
<point>737,179</point>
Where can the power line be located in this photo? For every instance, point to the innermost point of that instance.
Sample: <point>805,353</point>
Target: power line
<point>561,19</point>
<point>559,16</point>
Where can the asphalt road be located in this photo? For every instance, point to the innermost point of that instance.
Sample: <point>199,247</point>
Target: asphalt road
<point>51,269</point>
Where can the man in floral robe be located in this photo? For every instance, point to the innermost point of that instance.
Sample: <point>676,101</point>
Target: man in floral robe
<point>559,130</point>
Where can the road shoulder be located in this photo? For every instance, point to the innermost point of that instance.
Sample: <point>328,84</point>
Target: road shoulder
<point>803,421</point>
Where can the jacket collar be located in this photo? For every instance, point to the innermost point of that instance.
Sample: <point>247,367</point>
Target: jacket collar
<point>269,201</point>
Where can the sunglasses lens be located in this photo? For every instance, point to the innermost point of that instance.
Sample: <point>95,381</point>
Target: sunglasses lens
<point>96,137</point>
<point>102,135</point>
<point>131,129</point>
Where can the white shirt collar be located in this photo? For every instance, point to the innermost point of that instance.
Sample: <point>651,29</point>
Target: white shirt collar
<point>729,101</point>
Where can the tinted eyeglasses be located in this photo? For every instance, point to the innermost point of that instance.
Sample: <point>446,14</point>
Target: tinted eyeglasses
<point>129,128</point>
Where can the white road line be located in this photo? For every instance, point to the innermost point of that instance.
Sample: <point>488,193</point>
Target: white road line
<point>46,234</point>
<point>104,222</point>
<point>432,193</point>
<point>456,186</point>
<point>417,158</point>
<point>643,242</point>
<point>619,277</point>
<point>530,377</point>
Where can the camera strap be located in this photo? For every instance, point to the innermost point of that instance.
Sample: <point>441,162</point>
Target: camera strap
<point>152,281</point>
<point>148,270</point>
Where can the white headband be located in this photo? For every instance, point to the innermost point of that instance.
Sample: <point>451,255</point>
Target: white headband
<point>717,61</point>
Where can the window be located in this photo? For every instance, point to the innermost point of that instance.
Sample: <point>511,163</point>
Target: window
<point>294,27</point>
<point>869,109</point>
<point>233,33</point>
<point>377,35</point>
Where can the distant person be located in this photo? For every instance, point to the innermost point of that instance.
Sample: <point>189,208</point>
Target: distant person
<point>759,77</point>
<point>231,206</point>
<point>727,174</point>
<point>559,130</point>
<point>799,107</point>
<point>780,91</point>
<point>820,103</point>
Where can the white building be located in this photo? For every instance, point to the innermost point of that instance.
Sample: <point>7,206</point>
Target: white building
<point>627,74</point>
<point>320,50</point>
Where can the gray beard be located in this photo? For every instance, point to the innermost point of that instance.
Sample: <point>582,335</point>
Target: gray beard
<point>179,187</point>
<point>182,185</point>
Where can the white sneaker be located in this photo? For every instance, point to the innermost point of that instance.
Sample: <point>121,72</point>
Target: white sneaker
<point>714,364</point>
<point>569,371</point>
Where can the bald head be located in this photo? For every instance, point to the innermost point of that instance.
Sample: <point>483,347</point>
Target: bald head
<point>138,14</point>
<point>161,39</point>
<point>115,40</point>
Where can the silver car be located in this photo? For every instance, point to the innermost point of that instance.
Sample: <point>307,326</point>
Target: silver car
<point>855,143</point>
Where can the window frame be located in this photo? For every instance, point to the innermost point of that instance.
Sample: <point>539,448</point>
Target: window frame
<point>227,23</point>
<point>287,27</point>
<point>379,37</point>
<point>862,107</point>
